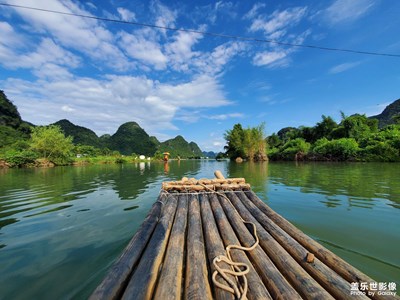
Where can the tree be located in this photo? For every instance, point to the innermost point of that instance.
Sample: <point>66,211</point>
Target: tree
<point>274,141</point>
<point>247,143</point>
<point>324,128</point>
<point>255,143</point>
<point>235,142</point>
<point>50,143</point>
<point>358,126</point>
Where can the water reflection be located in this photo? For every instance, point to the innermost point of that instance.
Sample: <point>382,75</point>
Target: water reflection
<point>61,228</point>
<point>352,185</point>
<point>346,204</point>
<point>42,191</point>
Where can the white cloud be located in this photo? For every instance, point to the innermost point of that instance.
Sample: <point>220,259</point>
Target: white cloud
<point>213,62</point>
<point>126,14</point>
<point>220,9</point>
<point>84,35</point>
<point>267,58</point>
<point>47,51</point>
<point>278,26</point>
<point>8,35</point>
<point>180,51</point>
<point>204,91</point>
<point>347,10</point>
<point>343,67</point>
<point>67,108</point>
<point>254,10</point>
<point>141,46</point>
<point>91,5</point>
<point>165,17</point>
<point>52,71</point>
<point>226,116</point>
<point>278,20</point>
<point>104,104</point>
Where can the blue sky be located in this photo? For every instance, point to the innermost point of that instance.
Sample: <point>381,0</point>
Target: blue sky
<point>100,74</point>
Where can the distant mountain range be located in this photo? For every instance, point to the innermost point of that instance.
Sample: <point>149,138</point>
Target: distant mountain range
<point>209,154</point>
<point>130,138</point>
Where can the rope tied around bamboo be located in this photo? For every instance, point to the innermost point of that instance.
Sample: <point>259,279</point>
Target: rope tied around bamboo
<point>237,289</point>
<point>238,269</point>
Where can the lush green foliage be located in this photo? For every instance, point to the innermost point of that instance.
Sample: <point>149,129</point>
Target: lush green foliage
<point>50,142</point>
<point>294,147</point>
<point>235,142</point>
<point>19,158</point>
<point>341,149</point>
<point>355,138</point>
<point>249,143</point>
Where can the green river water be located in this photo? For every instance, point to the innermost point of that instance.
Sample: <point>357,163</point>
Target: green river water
<point>61,228</point>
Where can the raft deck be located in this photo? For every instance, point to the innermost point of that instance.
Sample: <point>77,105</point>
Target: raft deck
<point>193,221</point>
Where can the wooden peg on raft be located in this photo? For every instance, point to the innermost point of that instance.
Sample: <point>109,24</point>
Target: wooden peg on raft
<point>218,174</point>
<point>310,257</point>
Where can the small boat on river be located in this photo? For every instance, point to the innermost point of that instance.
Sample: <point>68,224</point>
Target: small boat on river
<point>215,239</point>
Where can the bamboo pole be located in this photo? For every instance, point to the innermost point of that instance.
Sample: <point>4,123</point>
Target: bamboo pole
<point>117,277</point>
<point>330,280</point>
<point>274,280</point>
<point>170,280</point>
<point>196,281</point>
<point>214,246</point>
<point>290,269</point>
<point>208,187</point>
<point>337,264</point>
<point>257,289</point>
<point>142,282</point>
<point>218,174</point>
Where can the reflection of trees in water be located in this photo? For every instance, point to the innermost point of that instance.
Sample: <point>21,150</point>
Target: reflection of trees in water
<point>255,173</point>
<point>131,180</point>
<point>357,183</point>
<point>30,192</point>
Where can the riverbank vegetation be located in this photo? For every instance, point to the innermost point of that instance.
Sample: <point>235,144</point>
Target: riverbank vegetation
<point>249,143</point>
<point>355,138</point>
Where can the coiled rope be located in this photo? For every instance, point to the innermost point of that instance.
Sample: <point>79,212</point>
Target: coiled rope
<point>236,288</point>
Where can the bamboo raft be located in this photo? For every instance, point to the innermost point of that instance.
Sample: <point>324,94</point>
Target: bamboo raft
<point>172,254</point>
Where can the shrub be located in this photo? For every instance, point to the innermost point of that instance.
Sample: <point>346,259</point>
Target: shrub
<point>51,143</point>
<point>293,147</point>
<point>20,158</point>
<point>341,149</point>
<point>120,160</point>
<point>380,151</point>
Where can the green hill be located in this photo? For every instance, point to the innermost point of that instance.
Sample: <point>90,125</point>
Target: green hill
<point>12,127</point>
<point>178,146</point>
<point>387,116</point>
<point>9,115</point>
<point>81,135</point>
<point>131,138</point>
